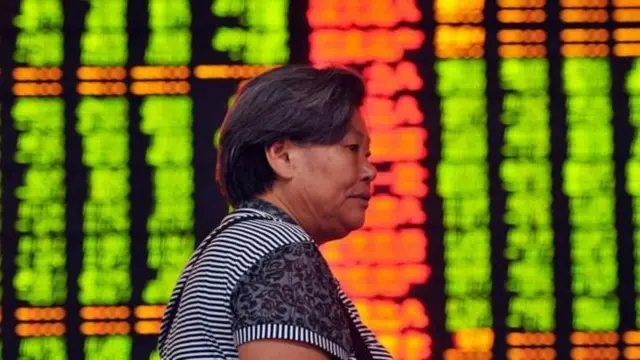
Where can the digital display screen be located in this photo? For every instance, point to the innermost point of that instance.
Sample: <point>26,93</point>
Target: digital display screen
<point>505,220</point>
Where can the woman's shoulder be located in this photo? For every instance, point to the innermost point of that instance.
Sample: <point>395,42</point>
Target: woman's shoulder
<point>246,236</point>
<point>291,294</point>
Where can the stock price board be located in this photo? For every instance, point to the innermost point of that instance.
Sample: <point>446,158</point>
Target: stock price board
<point>505,221</point>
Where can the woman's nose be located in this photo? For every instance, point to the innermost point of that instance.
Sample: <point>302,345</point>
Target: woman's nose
<point>370,172</point>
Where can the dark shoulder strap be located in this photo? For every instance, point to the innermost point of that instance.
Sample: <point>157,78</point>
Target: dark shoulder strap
<point>360,347</point>
<point>174,302</point>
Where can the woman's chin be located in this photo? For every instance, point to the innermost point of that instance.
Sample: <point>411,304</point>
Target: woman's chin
<point>355,221</point>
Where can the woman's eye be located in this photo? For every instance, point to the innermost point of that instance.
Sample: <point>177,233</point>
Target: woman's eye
<point>353,148</point>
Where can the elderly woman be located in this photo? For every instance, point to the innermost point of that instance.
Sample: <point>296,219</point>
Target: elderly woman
<point>293,161</point>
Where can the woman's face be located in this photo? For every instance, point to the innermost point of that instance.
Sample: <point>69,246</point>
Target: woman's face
<point>334,181</point>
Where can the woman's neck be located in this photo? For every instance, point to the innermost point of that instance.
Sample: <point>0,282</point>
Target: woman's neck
<point>300,213</point>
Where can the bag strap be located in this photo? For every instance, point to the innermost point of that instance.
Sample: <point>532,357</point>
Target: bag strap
<point>360,347</point>
<point>174,303</point>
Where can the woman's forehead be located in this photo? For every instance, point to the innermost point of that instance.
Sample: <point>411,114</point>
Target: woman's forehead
<point>358,127</point>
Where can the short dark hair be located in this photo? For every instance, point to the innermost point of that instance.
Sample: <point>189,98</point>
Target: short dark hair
<point>293,102</point>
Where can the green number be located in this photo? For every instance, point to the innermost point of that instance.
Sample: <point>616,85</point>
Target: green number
<point>43,348</point>
<point>595,314</point>
<point>169,47</point>
<point>40,48</point>
<point>524,75</point>
<point>104,48</point>
<point>584,76</point>
<point>169,14</point>
<point>108,347</point>
<point>461,77</point>
<point>39,15</point>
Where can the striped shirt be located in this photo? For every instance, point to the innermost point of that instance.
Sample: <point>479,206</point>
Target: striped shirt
<point>259,275</point>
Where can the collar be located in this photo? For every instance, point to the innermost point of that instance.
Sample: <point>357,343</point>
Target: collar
<point>267,207</point>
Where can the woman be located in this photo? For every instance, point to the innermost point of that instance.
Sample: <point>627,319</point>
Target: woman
<point>293,161</point>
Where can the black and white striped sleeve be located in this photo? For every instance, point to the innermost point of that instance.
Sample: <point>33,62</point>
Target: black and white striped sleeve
<point>290,294</point>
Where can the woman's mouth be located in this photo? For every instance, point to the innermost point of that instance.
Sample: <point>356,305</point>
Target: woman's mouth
<point>363,198</point>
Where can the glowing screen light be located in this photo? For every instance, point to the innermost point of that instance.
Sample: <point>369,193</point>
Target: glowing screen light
<point>41,274</point>
<point>106,255</point>
<point>633,166</point>
<point>170,34</point>
<point>263,38</point>
<point>40,41</point>
<point>593,237</point>
<point>526,177</point>
<point>170,224</point>
<point>371,36</point>
<point>462,177</point>
<point>104,41</point>
<point>165,115</point>
<point>465,203</point>
<point>102,123</point>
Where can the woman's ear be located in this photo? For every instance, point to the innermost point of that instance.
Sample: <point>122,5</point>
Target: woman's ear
<point>278,157</point>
